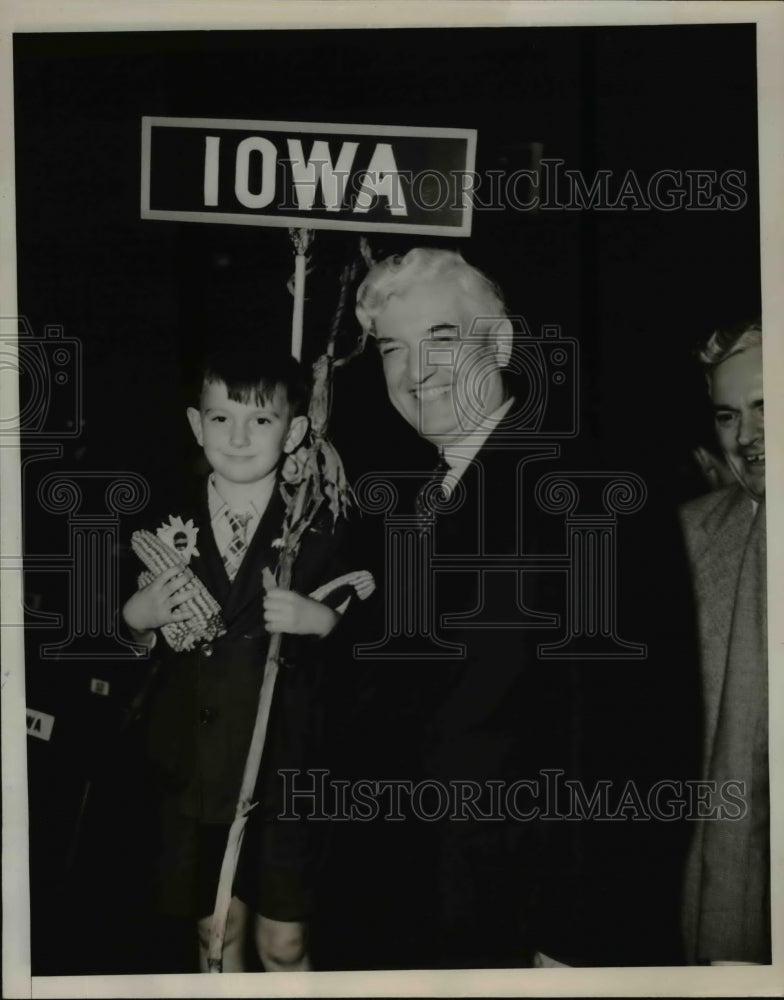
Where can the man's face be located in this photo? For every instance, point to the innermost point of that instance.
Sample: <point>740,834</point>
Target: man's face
<point>243,442</point>
<point>441,375</point>
<point>736,393</point>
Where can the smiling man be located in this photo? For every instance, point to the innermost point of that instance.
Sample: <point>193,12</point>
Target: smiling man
<point>738,405</point>
<point>444,339</point>
<point>494,711</point>
<point>727,891</point>
<point>442,357</point>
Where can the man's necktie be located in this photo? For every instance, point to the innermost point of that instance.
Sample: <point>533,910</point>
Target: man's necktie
<point>235,550</point>
<point>431,491</point>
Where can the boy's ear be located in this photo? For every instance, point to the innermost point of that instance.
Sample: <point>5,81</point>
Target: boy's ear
<point>194,419</point>
<point>297,431</point>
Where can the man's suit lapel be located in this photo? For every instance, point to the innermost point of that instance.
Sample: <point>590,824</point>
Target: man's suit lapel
<point>729,521</point>
<point>494,515</point>
<point>467,524</point>
<point>735,878</point>
<point>718,556</point>
<point>716,538</point>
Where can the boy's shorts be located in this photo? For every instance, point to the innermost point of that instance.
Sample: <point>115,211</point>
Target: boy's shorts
<point>273,874</point>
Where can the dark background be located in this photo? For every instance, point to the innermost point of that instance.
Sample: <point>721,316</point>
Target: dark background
<point>636,289</point>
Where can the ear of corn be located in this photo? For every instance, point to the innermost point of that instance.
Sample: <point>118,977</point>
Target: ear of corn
<point>207,621</point>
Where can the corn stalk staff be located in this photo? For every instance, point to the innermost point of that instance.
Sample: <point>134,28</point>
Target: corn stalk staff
<point>323,481</point>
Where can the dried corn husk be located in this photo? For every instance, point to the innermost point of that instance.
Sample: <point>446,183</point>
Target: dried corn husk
<point>207,621</point>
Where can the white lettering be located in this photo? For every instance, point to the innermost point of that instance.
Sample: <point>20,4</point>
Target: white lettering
<point>307,173</point>
<point>211,150</point>
<point>381,180</point>
<point>39,724</point>
<point>263,197</point>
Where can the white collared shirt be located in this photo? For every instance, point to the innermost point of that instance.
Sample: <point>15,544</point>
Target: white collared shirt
<point>218,508</point>
<point>459,454</point>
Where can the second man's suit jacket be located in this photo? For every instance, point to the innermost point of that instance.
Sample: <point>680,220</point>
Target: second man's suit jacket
<point>727,890</point>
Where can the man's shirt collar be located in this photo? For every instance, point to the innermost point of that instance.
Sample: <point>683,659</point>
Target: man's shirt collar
<point>459,454</point>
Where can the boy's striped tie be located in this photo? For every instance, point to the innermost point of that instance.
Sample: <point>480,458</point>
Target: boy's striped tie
<point>232,557</point>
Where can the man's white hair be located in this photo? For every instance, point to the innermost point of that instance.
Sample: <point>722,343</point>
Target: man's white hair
<point>396,275</point>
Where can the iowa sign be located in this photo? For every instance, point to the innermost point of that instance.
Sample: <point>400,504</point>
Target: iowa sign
<point>367,178</point>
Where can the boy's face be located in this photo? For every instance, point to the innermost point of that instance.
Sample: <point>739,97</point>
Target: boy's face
<point>243,442</point>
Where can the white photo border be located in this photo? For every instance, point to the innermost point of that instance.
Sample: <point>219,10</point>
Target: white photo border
<point>138,15</point>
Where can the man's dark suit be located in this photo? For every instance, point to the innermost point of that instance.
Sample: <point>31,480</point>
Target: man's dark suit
<point>499,891</point>
<point>482,714</point>
<point>506,712</point>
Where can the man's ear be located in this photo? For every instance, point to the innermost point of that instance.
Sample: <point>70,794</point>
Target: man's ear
<point>297,431</point>
<point>194,419</point>
<point>501,337</point>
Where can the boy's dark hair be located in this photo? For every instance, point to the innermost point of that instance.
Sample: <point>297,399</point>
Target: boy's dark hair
<point>255,374</point>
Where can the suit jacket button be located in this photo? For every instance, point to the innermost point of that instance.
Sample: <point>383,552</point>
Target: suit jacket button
<point>206,715</point>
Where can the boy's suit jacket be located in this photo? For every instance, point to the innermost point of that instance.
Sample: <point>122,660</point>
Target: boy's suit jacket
<point>727,889</point>
<point>204,706</point>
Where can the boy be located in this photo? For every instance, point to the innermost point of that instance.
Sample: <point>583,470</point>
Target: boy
<point>250,416</point>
